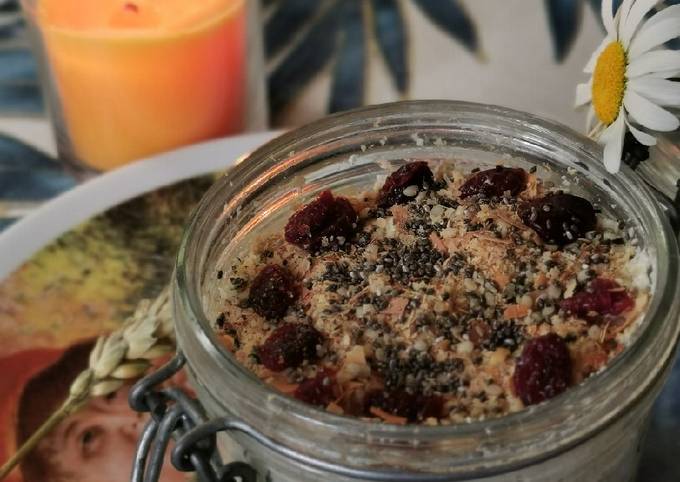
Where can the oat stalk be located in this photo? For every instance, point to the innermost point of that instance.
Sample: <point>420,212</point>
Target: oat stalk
<point>116,358</point>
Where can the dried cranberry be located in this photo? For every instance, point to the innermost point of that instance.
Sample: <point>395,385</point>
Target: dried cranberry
<point>318,390</point>
<point>543,370</point>
<point>412,406</point>
<point>559,218</point>
<point>602,297</point>
<point>289,345</point>
<point>327,217</point>
<point>413,174</point>
<point>495,182</point>
<point>272,291</point>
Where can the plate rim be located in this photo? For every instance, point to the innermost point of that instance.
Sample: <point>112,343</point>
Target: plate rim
<point>24,238</point>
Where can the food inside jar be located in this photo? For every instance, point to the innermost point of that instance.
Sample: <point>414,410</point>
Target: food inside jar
<point>441,297</point>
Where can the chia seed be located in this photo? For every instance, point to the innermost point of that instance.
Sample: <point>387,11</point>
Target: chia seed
<point>221,319</point>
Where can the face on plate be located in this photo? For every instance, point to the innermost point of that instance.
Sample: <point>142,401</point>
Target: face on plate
<point>98,444</point>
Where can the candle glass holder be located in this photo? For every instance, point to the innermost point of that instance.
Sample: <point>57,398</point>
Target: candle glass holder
<point>124,80</point>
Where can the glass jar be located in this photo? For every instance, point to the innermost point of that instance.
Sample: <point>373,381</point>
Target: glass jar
<point>590,432</point>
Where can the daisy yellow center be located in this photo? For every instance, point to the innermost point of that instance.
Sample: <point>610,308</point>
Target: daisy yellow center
<point>609,82</point>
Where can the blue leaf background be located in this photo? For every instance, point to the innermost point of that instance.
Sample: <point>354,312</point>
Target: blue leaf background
<point>286,22</point>
<point>19,85</point>
<point>347,89</point>
<point>563,19</point>
<point>390,34</point>
<point>29,174</point>
<point>451,17</point>
<point>307,58</point>
<point>318,32</point>
<point>26,174</point>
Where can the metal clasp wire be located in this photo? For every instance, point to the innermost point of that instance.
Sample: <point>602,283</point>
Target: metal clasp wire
<point>174,414</point>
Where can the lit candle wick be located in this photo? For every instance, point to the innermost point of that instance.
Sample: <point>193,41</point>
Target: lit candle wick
<point>131,7</point>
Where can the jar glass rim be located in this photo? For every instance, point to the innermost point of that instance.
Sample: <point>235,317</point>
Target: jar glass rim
<point>663,305</point>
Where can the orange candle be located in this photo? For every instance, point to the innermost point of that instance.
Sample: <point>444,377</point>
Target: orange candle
<point>138,77</point>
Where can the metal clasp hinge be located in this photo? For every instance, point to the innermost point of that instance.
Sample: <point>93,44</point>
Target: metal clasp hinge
<point>173,415</point>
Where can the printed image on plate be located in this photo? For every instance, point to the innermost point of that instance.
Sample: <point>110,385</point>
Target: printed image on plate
<point>83,284</point>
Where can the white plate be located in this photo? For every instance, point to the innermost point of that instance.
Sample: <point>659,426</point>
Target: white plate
<point>22,239</point>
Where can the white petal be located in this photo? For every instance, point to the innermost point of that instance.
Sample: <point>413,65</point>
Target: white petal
<point>655,61</point>
<point>648,114</point>
<point>607,133</point>
<point>608,18</point>
<point>591,120</point>
<point>659,91</point>
<point>669,12</point>
<point>637,13</point>
<point>648,38</point>
<point>590,66</point>
<point>613,143</point>
<point>642,137</point>
<point>665,74</point>
<point>583,94</point>
<point>623,12</point>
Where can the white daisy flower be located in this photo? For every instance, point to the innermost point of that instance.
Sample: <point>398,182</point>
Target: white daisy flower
<point>629,85</point>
